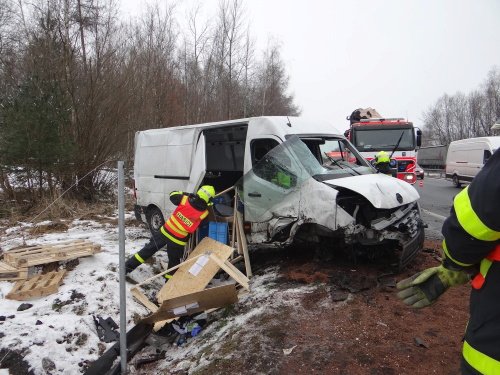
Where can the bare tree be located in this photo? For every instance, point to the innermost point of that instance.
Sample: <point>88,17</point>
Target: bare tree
<point>464,116</point>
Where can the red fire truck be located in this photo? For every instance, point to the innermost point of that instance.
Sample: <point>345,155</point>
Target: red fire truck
<point>395,135</point>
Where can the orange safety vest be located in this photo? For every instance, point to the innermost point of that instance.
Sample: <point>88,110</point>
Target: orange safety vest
<point>486,263</point>
<point>183,221</point>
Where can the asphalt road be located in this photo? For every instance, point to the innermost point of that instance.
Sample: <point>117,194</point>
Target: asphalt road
<point>436,198</point>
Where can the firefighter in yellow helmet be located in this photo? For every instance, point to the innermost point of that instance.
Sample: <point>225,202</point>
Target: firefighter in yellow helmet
<point>175,232</point>
<point>471,248</point>
<point>382,162</point>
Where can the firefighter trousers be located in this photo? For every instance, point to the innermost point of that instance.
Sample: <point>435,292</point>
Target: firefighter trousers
<point>157,242</point>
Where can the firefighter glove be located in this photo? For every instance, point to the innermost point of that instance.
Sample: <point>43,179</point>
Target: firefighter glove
<point>425,287</point>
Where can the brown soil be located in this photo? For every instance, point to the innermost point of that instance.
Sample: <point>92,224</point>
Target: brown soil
<point>374,333</point>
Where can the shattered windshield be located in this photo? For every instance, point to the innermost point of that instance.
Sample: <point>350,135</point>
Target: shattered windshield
<point>283,170</point>
<point>383,139</point>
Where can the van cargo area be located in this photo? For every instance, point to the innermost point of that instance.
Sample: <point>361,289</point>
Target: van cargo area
<point>298,181</point>
<point>225,152</point>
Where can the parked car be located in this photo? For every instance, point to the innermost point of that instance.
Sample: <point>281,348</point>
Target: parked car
<point>419,172</point>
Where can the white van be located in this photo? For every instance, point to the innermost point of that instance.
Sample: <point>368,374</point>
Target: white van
<point>332,197</point>
<point>466,157</point>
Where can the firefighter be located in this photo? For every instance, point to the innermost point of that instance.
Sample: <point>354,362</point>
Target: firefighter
<point>471,250</point>
<point>175,232</point>
<point>382,162</point>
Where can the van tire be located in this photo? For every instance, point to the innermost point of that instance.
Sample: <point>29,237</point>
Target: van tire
<point>456,181</point>
<point>154,219</point>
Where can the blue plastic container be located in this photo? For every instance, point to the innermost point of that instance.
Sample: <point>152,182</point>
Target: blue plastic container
<point>214,230</point>
<point>202,231</point>
<point>218,231</point>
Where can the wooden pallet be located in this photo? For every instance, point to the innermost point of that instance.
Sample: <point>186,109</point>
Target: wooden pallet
<point>36,255</point>
<point>38,286</point>
<point>7,272</point>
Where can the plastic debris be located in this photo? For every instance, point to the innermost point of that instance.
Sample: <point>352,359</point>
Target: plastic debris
<point>289,351</point>
<point>106,329</point>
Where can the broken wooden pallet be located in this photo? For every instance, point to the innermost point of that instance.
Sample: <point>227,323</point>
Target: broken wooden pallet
<point>36,255</point>
<point>38,286</point>
<point>7,272</point>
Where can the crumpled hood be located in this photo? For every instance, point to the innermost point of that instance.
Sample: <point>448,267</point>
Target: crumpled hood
<point>381,190</point>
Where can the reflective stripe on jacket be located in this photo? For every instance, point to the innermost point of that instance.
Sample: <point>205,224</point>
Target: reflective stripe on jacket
<point>480,361</point>
<point>183,221</point>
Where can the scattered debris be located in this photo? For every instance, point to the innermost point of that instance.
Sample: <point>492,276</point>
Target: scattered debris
<point>36,255</point>
<point>38,323</point>
<point>136,337</point>
<point>38,286</point>
<point>48,365</point>
<point>7,272</point>
<point>421,343</point>
<point>106,329</point>
<point>185,293</point>
<point>24,306</point>
<point>289,351</point>
<point>195,302</point>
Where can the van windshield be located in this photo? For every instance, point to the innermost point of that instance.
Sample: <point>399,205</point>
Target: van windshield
<point>319,157</point>
<point>337,156</point>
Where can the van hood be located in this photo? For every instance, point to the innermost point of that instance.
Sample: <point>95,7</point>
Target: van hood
<point>382,191</point>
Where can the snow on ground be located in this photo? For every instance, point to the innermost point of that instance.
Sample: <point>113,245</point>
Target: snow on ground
<point>91,288</point>
<point>67,333</point>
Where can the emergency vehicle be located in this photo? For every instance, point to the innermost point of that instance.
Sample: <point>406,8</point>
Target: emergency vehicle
<point>397,136</point>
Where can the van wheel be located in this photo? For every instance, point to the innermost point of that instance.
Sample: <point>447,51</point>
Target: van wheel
<point>456,181</point>
<point>154,219</point>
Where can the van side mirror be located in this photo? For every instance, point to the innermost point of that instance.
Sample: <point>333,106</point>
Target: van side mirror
<point>347,133</point>
<point>419,137</point>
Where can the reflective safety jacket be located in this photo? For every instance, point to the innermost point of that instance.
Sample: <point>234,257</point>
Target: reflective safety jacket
<point>186,218</point>
<point>472,239</point>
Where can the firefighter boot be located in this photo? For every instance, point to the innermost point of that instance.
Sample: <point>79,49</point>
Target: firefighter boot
<point>132,263</point>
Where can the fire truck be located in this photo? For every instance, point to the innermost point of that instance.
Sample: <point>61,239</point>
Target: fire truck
<point>371,133</point>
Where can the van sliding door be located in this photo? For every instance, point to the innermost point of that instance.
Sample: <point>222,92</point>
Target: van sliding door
<point>198,165</point>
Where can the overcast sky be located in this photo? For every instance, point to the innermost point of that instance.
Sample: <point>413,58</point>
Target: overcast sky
<point>397,56</point>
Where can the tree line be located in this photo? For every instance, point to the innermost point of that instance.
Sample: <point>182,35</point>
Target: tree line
<point>77,82</point>
<point>460,116</point>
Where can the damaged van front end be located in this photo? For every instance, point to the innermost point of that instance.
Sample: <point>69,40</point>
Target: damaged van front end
<point>333,198</point>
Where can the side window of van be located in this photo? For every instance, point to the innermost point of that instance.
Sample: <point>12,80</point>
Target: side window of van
<point>487,155</point>
<point>274,170</point>
<point>260,147</point>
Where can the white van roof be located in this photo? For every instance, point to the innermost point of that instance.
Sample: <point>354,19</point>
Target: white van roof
<point>493,141</point>
<point>298,125</point>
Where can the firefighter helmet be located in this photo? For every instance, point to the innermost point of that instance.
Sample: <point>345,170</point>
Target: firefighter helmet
<point>382,157</point>
<point>206,192</point>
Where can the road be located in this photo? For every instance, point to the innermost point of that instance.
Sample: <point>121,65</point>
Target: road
<point>436,198</point>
